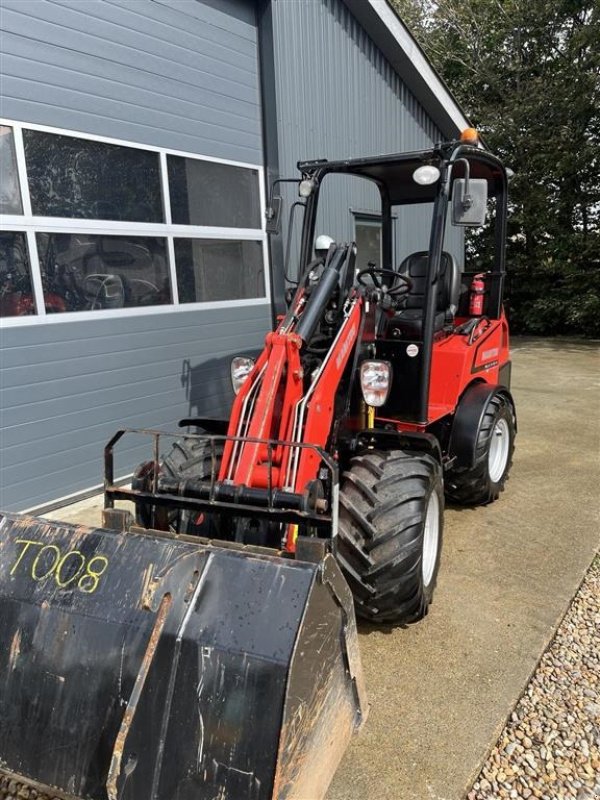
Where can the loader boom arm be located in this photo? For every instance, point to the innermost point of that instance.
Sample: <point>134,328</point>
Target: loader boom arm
<point>278,401</point>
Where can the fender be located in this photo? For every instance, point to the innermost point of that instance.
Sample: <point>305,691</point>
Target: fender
<point>404,440</point>
<point>218,427</point>
<point>467,419</point>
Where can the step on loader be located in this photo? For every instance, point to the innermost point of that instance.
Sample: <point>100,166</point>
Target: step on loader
<point>203,645</point>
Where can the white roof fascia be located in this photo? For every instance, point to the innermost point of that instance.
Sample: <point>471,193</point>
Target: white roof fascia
<point>401,49</point>
<point>416,55</point>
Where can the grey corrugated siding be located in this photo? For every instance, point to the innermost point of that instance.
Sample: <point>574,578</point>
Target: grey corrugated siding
<point>66,387</point>
<point>338,97</point>
<point>181,74</point>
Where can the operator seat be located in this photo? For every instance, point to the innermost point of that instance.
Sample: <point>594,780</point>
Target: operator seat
<point>408,322</point>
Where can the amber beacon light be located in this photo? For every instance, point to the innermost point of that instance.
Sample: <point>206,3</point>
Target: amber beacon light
<point>470,136</point>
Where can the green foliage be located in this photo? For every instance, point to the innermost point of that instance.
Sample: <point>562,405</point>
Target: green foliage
<point>527,73</point>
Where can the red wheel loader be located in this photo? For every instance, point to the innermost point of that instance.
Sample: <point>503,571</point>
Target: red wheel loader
<point>207,648</point>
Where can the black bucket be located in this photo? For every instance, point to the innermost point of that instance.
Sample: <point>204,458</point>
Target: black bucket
<point>145,667</point>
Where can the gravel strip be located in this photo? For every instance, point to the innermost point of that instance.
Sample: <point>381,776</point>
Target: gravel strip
<point>550,747</point>
<point>11,789</point>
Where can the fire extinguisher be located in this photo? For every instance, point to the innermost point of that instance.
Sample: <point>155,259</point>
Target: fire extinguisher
<point>477,295</point>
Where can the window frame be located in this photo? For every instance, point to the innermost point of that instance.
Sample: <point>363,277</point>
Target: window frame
<point>31,225</point>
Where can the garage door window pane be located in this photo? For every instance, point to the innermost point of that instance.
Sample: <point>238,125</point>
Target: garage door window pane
<point>215,269</point>
<point>80,179</point>
<point>10,193</point>
<point>16,292</point>
<point>88,272</point>
<point>205,193</point>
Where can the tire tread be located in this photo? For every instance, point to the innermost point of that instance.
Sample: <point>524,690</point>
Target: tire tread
<point>383,501</point>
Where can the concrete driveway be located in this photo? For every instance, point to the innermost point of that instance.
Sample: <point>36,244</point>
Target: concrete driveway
<point>440,691</point>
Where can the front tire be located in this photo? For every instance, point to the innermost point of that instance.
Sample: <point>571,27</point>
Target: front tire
<point>494,446</point>
<point>390,533</point>
<point>189,457</point>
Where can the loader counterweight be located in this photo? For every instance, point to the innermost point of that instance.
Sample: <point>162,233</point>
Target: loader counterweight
<point>148,666</point>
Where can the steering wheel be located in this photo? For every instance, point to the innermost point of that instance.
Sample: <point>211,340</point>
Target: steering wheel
<point>377,274</point>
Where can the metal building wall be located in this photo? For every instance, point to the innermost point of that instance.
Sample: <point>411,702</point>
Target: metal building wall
<point>172,73</point>
<point>182,75</point>
<point>339,97</point>
<point>66,388</point>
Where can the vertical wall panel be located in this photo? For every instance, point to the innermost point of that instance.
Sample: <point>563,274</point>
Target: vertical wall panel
<point>338,97</point>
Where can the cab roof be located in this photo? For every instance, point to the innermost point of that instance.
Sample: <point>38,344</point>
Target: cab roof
<point>393,172</point>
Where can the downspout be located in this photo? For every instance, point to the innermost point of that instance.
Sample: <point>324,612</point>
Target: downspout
<point>268,107</point>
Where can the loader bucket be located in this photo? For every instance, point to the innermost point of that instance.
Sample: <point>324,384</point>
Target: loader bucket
<point>144,666</point>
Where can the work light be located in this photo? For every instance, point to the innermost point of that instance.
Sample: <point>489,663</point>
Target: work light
<point>306,187</point>
<point>375,381</point>
<point>426,175</point>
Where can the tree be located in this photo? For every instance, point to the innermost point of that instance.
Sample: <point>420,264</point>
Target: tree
<point>527,73</point>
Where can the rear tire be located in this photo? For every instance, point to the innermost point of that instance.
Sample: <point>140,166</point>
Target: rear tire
<point>188,458</point>
<point>390,533</point>
<point>494,447</point>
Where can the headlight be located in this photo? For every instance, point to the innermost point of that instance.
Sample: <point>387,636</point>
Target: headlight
<point>375,381</point>
<point>241,367</point>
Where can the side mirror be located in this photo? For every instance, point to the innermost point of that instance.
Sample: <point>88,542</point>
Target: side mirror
<point>469,202</point>
<point>273,215</point>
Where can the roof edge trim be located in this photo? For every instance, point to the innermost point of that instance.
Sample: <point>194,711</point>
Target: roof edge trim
<point>396,42</point>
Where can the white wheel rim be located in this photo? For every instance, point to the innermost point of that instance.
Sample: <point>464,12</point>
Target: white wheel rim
<point>498,452</point>
<point>431,538</point>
